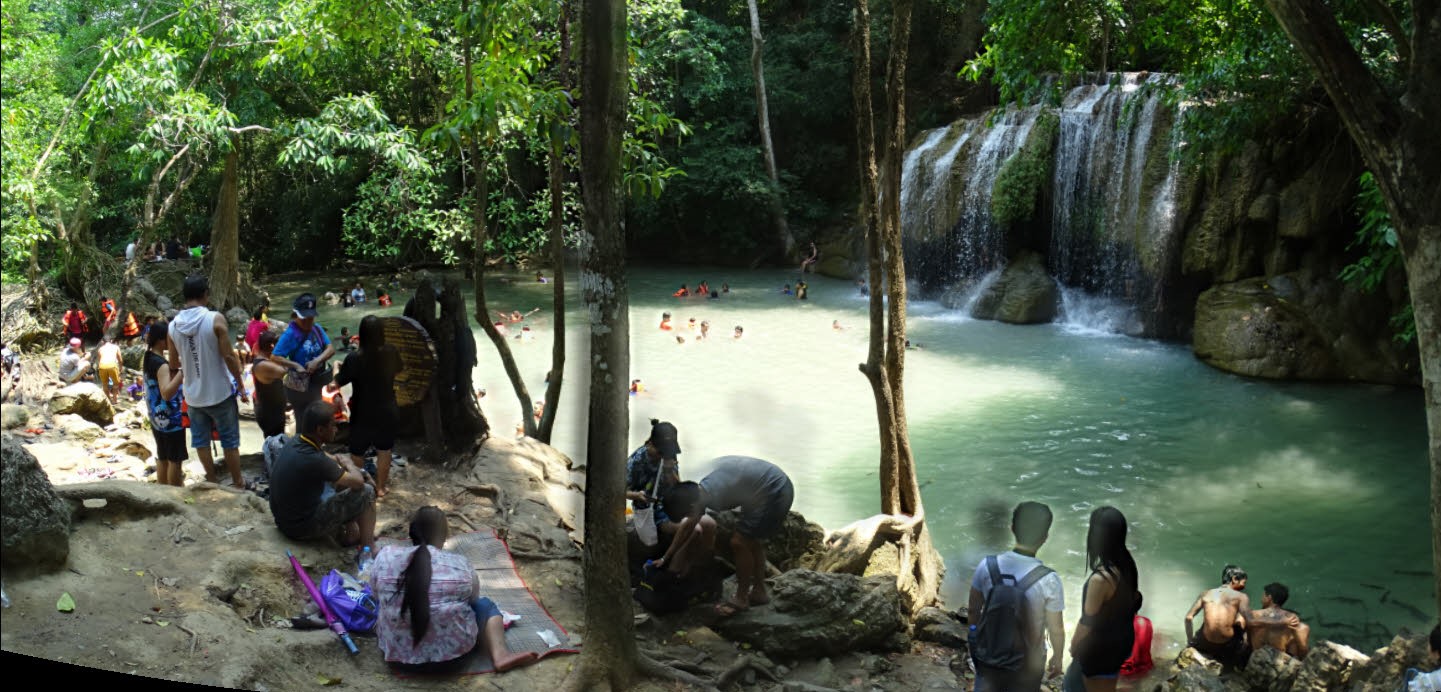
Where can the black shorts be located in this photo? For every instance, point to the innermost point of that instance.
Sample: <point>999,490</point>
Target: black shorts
<point>764,521</point>
<point>379,433</point>
<point>170,446</point>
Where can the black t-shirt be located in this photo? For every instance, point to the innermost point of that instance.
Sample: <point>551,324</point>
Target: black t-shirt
<point>372,380</point>
<point>297,479</point>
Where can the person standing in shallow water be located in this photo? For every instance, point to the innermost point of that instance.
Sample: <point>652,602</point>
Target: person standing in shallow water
<point>1105,633</point>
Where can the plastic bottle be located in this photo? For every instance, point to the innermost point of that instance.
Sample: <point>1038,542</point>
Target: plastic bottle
<point>362,562</point>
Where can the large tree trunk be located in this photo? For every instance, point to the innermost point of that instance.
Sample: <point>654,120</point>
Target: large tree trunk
<point>920,567</point>
<point>477,259</point>
<point>610,654</point>
<point>1399,141</point>
<point>557,246</point>
<point>778,213</point>
<point>225,237</point>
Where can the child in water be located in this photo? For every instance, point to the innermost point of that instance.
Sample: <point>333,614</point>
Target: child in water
<point>739,330</point>
<point>786,290</point>
<point>665,321</point>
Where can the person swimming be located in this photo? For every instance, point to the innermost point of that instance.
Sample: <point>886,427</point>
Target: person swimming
<point>665,321</point>
<point>738,332</point>
<point>836,325</point>
<point>681,292</point>
<point>786,290</point>
<point>691,324</point>
<point>705,328</point>
<point>636,387</point>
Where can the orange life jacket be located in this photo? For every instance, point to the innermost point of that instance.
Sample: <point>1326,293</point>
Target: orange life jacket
<point>75,321</point>
<point>681,293</point>
<point>107,310</point>
<point>385,301</point>
<point>131,328</point>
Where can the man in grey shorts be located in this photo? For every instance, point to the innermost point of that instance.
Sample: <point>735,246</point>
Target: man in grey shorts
<point>763,492</point>
<point>318,495</point>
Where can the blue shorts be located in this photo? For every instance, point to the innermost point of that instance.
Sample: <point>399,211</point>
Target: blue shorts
<point>223,417</point>
<point>485,609</point>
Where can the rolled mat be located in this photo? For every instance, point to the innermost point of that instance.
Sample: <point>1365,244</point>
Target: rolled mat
<point>501,583</point>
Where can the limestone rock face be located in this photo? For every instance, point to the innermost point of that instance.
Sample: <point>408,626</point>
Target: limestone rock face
<point>820,614</point>
<point>34,521</point>
<point>1270,670</point>
<point>1024,294</point>
<point>1298,326</point>
<point>1328,666</point>
<point>85,400</point>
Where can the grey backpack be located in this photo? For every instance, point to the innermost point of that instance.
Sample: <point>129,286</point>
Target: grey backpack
<point>1001,640</point>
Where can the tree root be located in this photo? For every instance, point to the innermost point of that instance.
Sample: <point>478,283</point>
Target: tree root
<point>743,663</point>
<point>650,667</point>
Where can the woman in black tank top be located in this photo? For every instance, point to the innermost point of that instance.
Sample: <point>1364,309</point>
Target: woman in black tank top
<point>1104,636</point>
<point>269,387</point>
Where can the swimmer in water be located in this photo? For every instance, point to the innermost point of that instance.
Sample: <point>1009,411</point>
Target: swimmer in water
<point>738,332</point>
<point>665,321</point>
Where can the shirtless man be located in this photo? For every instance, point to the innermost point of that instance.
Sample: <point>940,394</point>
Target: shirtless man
<point>1223,627</point>
<point>1275,627</point>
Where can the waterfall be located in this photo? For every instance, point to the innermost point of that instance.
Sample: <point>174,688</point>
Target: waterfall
<point>1110,233</point>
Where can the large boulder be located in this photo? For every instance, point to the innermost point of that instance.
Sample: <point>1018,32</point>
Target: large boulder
<point>1300,325</point>
<point>821,614</point>
<point>1328,666</point>
<point>133,356</point>
<point>795,544</point>
<point>1024,294</point>
<point>34,521</point>
<point>942,627</point>
<point>1386,671</point>
<point>1270,670</point>
<point>85,400</point>
<point>76,428</point>
<point>1193,679</point>
<point>13,416</point>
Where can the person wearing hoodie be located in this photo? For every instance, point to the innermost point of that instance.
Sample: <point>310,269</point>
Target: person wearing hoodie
<point>200,349</point>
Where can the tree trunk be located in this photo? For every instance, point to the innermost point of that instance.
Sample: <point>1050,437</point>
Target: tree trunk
<point>557,246</point>
<point>225,237</point>
<point>920,567</point>
<point>778,213</point>
<point>610,654</point>
<point>477,259</point>
<point>1399,143</point>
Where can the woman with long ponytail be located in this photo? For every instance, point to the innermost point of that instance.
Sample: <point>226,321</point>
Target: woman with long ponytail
<point>431,611</point>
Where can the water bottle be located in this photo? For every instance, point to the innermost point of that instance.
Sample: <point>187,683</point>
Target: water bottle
<point>362,562</point>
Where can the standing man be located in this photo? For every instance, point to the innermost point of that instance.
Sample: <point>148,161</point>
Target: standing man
<point>1224,622</point>
<point>1014,599</point>
<point>762,491</point>
<point>73,322</point>
<point>108,369</point>
<point>199,348</point>
<point>107,312</point>
<point>1276,627</point>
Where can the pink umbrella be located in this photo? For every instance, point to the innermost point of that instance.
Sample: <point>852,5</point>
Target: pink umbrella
<point>336,625</point>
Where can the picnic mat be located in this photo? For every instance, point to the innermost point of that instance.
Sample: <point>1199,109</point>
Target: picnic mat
<point>500,583</point>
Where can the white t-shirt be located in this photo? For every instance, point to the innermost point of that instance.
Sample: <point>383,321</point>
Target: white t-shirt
<point>1045,596</point>
<point>130,252</point>
<point>1426,682</point>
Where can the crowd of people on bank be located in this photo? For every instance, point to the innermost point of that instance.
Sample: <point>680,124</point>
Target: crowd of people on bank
<point>431,611</point>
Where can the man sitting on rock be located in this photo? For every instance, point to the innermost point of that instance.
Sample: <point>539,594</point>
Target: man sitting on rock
<point>1223,627</point>
<point>317,495</point>
<point>1275,627</point>
<point>762,491</point>
<point>74,366</point>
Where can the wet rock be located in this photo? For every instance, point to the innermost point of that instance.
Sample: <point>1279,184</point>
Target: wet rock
<point>1328,667</point>
<point>77,428</point>
<point>1270,670</point>
<point>818,613</point>
<point>146,289</point>
<point>237,318</point>
<point>1191,658</point>
<point>1194,678</point>
<point>165,305</point>
<point>940,626</point>
<point>13,417</point>
<point>86,400</point>
<point>34,521</point>
<point>1386,670</point>
<point>1024,294</point>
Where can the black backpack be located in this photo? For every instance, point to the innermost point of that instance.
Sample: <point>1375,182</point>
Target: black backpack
<point>1001,640</point>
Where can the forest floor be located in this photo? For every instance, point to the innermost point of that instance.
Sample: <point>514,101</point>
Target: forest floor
<point>192,584</point>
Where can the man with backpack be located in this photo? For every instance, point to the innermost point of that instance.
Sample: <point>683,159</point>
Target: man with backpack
<point>1014,599</point>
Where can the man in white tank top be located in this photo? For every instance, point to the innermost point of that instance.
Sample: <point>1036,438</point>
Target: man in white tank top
<point>200,350</point>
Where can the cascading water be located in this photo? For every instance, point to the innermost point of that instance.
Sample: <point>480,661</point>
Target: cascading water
<point>1109,232</point>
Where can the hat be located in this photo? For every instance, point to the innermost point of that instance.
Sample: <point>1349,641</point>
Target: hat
<point>75,343</point>
<point>663,436</point>
<point>304,306</point>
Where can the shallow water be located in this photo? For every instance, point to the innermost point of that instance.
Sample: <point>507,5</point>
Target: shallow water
<point>1321,487</point>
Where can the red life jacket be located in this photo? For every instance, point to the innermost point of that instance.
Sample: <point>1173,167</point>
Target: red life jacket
<point>107,310</point>
<point>75,321</point>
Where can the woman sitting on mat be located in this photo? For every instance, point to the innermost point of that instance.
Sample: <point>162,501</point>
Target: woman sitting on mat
<point>431,612</point>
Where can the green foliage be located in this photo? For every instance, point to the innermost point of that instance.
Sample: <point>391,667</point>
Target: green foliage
<point>1018,184</point>
<point>1381,252</point>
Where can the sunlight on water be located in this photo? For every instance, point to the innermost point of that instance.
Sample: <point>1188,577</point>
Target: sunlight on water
<point>1321,487</point>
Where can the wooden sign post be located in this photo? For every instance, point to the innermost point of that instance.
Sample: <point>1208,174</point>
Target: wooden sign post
<point>413,384</point>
